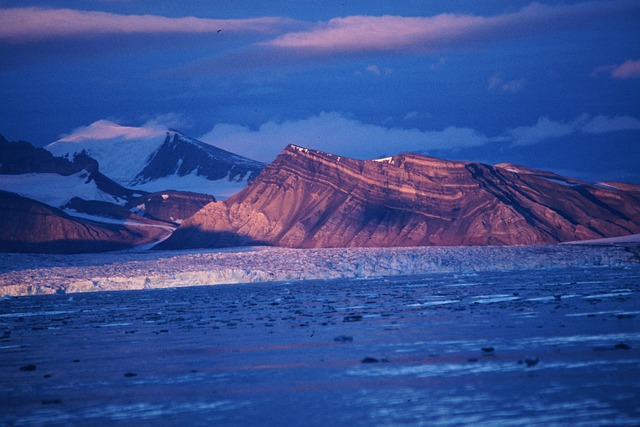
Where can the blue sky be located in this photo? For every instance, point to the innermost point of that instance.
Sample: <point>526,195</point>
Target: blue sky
<point>549,84</point>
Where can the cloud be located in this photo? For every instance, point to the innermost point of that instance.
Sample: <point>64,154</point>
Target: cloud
<point>511,86</point>
<point>398,33</point>
<point>604,124</point>
<point>168,121</point>
<point>338,134</point>
<point>30,24</point>
<point>343,135</point>
<point>374,69</point>
<point>106,129</point>
<point>546,129</point>
<point>628,70</point>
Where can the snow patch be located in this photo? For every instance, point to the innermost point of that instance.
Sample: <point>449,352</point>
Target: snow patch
<point>560,181</point>
<point>384,160</point>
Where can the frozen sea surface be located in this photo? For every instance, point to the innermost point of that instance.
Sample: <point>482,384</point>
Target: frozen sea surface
<point>534,347</point>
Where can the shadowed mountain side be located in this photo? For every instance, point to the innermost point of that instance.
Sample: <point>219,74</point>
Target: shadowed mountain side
<point>307,198</point>
<point>31,226</point>
<point>194,238</point>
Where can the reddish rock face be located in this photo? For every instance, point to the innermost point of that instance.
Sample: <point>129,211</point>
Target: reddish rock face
<point>307,199</point>
<point>172,206</point>
<point>31,226</point>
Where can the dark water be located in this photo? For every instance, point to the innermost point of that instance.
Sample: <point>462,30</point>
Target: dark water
<point>553,347</point>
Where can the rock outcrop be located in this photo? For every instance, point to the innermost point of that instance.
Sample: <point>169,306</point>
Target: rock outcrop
<point>172,206</point>
<point>307,198</point>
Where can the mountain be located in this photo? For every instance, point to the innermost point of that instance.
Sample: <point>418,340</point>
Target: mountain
<point>27,225</point>
<point>51,204</point>
<point>157,163</point>
<point>170,206</point>
<point>307,198</point>
<point>37,174</point>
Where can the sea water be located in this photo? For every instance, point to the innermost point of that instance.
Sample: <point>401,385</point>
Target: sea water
<point>538,347</point>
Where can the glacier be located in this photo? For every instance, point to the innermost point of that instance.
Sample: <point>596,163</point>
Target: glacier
<point>28,274</point>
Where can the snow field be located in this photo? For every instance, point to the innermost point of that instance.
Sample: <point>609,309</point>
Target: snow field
<point>37,186</point>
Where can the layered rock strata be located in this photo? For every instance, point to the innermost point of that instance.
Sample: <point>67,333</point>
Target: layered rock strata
<point>307,198</point>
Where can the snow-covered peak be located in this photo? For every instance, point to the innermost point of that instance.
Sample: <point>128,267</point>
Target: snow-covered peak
<point>119,150</point>
<point>150,158</point>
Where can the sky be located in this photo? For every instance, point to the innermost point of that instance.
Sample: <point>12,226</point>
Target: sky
<point>552,85</point>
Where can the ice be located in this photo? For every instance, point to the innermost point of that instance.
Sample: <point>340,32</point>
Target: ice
<point>25,274</point>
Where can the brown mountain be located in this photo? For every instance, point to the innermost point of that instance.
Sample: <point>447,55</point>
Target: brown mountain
<point>307,198</point>
<point>31,226</point>
<point>171,205</point>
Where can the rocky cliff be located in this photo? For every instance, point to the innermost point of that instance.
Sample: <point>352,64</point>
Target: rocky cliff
<point>307,198</point>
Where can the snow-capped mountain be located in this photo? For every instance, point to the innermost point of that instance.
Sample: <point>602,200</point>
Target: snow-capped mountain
<point>51,204</point>
<point>164,161</point>
<point>308,198</point>
<point>35,173</point>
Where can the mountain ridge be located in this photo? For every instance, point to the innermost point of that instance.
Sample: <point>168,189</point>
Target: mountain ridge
<point>307,198</point>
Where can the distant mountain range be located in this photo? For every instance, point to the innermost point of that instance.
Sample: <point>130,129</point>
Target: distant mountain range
<point>174,161</point>
<point>307,199</point>
<point>76,202</point>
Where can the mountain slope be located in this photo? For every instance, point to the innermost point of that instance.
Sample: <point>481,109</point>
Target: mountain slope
<point>173,161</point>
<point>30,226</point>
<point>307,198</point>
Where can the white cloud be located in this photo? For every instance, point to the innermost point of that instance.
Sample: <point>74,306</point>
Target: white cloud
<point>542,130</point>
<point>628,70</point>
<point>604,124</point>
<point>343,135</point>
<point>338,134</point>
<point>510,86</point>
<point>168,121</point>
<point>546,129</point>
<point>374,69</point>
<point>394,33</point>
<point>28,24</point>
